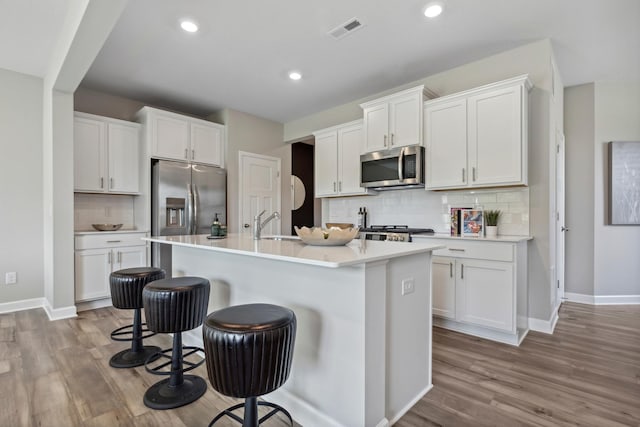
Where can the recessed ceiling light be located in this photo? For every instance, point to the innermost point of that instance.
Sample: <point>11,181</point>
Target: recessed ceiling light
<point>295,75</point>
<point>189,26</point>
<point>432,10</point>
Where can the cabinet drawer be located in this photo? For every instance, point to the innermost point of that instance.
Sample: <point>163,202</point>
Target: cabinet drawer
<point>479,250</point>
<point>90,241</point>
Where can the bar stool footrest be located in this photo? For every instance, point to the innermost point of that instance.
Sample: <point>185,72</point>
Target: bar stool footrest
<point>229,413</point>
<point>167,354</point>
<point>115,335</point>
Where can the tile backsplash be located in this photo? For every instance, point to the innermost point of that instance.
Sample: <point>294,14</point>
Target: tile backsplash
<point>420,208</point>
<point>102,208</point>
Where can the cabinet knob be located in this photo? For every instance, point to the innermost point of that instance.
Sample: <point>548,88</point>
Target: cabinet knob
<point>246,226</point>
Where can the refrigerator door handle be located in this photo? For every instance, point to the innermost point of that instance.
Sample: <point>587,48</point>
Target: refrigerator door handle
<point>196,205</point>
<point>189,209</point>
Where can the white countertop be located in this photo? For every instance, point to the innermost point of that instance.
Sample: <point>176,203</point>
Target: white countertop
<point>294,250</point>
<point>505,239</point>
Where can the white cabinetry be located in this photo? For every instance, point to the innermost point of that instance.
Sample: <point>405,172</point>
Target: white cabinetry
<point>106,153</point>
<point>480,288</point>
<point>337,160</point>
<point>394,121</point>
<point>97,255</point>
<point>177,137</point>
<point>478,138</point>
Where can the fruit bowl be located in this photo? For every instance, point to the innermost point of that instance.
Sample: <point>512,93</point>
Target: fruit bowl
<point>339,225</point>
<point>317,236</point>
<point>106,227</point>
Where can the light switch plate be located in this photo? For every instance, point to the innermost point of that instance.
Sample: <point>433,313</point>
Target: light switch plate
<point>11,278</point>
<point>408,286</point>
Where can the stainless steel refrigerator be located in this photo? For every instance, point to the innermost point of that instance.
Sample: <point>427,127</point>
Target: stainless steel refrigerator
<point>184,200</point>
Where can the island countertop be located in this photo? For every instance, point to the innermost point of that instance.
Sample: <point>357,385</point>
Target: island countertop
<point>292,249</point>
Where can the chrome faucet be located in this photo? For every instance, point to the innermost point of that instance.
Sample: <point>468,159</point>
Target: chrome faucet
<point>258,226</point>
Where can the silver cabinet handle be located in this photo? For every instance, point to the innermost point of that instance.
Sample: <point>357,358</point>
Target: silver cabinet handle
<point>119,256</point>
<point>456,250</point>
<point>463,176</point>
<point>114,241</point>
<point>109,257</point>
<point>186,153</point>
<point>392,138</point>
<point>101,182</point>
<point>339,185</point>
<point>193,154</point>
<point>400,164</point>
<point>450,269</point>
<point>110,183</point>
<point>462,271</point>
<point>473,169</point>
<point>334,186</point>
<point>385,140</point>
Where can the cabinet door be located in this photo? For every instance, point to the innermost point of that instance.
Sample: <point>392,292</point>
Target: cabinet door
<point>326,164</point>
<point>445,129</point>
<point>496,137</point>
<point>206,144</point>
<point>350,142</point>
<point>376,127</point>
<point>405,120</point>
<point>123,148</point>
<point>130,257</point>
<point>89,139</point>
<point>92,270</point>
<point>170,138</point>
<point>444,287</point>
<point>485,294</point>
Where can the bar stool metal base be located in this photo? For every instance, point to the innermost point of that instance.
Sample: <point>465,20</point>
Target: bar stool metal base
<point>162,395</point>
<point>130,359</point>
<point>250,419</point>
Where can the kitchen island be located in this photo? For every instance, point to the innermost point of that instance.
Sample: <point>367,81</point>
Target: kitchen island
<point>363,346</point>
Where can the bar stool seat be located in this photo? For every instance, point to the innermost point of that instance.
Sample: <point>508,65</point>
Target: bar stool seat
<point>126,293</point>
<point>174,306</point>
<point>249,350</point>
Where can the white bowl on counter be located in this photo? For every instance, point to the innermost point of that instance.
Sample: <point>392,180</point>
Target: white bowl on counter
<point>107,227</point>
<point>317,236</point>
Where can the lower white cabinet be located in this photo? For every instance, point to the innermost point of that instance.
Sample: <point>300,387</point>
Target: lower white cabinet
<point>480,288</point>
<point>96,256</point>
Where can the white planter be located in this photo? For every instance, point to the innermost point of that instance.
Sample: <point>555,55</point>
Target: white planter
<point>491,231</point>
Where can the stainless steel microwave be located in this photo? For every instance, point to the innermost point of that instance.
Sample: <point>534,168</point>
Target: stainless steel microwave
<point>401,167</point>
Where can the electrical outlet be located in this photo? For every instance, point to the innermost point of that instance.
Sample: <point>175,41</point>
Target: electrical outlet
<point>11,278</point>
<point>408,286</point>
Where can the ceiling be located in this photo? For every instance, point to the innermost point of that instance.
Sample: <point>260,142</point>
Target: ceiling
<point>244,50</point>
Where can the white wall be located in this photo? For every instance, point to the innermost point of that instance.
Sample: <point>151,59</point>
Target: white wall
<point>249,133</point>
<point>616,248</point>
<point>21,185</point>
<point>579,174</point>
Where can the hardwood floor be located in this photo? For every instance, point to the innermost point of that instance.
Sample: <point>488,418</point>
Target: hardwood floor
<point>586,374</point>
<point>57,374</point>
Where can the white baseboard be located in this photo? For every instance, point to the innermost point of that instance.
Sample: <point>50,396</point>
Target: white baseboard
<point>25,304</point>
<point>603,299</point>
<point>545,326</point>
<point>410,404</point>
<point>59,313</point>
<point>92,305</point>
<point>305,414</point>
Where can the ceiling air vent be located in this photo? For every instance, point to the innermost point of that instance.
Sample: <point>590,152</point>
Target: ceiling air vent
<point>348,27</point>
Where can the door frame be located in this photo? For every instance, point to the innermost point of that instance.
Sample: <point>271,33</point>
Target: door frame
<point>242,155</point>
<point>560,240</point>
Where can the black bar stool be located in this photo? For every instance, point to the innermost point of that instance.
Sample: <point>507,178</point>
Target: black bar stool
<point>249,349</point>
<point>126,293</point>
<point>174,306</point>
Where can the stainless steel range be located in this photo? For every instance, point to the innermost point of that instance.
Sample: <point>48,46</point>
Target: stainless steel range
<point>395,233</point>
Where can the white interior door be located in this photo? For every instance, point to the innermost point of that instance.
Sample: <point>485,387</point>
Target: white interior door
<point>259,178</point>
<point>560,215</point>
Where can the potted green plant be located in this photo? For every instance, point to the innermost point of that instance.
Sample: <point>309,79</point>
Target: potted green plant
<point>491,218</point>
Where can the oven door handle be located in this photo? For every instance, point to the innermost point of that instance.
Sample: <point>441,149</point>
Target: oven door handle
<point>401,165</point>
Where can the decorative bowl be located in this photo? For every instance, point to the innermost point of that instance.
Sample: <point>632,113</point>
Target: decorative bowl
<point>106,227</point>
<point>338,225</point>
<point>317,236</point>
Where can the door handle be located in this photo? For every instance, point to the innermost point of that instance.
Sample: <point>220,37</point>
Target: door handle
<point>563,228</point>
<point>400,165</point>
<point>196,203</point>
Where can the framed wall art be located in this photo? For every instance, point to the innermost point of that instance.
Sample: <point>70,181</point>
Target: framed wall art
<point>624,183</point>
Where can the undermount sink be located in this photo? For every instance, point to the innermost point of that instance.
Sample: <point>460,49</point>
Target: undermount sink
<point>279,238</point>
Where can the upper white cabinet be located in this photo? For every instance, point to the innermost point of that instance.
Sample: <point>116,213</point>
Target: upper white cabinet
<point>478,138</point>
<point>337,160</point>
<point>394,121</point>
<point>177,137</point>
<point>106,153</point>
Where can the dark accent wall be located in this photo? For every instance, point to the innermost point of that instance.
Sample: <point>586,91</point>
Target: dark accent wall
<point>302,167</point>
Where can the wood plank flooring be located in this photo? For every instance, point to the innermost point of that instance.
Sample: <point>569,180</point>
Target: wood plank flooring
<point>586,374</point>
